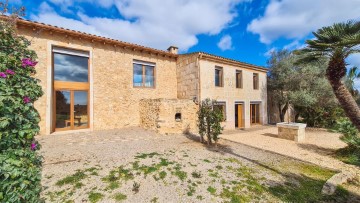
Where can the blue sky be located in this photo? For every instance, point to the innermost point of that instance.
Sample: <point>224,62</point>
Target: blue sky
<point>245,30</point>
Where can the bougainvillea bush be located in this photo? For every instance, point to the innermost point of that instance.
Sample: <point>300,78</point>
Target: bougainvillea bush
<point>20,164</point>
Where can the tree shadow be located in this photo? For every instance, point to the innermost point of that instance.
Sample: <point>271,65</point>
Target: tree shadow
<point>270,135</point>
<point>292,187</point>
<point>317,149</point>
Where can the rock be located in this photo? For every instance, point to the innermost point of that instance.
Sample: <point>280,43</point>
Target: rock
<point>330,185</point>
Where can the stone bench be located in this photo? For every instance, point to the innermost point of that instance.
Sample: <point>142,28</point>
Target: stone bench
<point>291,131</point>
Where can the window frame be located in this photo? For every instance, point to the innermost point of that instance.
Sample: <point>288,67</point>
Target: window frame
<point>256,81</point>
<point>144,65</point>
<point>58,85</point>
<point>239,84</point>
<point>221,76</point>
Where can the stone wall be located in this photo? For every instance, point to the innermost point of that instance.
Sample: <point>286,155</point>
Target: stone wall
<point>114,102</point>
<point>160,115</point>
<point>187,76</point>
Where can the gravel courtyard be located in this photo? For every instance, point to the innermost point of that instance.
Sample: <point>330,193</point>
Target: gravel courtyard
<point>135,165</point>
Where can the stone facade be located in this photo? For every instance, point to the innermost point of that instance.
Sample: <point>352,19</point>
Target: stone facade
<point>187,76</point>
<point>196,74</point>
<point>181,81</point>
<point>115,102</point>
<point>169,115</point>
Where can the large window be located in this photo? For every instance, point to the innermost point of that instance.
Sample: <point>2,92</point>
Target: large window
<point>256,81</point>
<point>71,89</point>
<point>239,79</point>
<point>144,74</point>
<point>219,77</point>
<point>222,107</point>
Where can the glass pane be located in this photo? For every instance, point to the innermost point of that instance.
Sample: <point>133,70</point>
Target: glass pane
<point>149,76</point>
<point>217,77</point>
<point>62,109</point>
<point>70,68</point>
<point>81,118</point>
<point>137,75</point>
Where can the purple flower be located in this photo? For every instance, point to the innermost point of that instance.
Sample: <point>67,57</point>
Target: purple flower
<point>2,75</point>
<point>28,62</point>
<point>10,72</point>
<point>26,99</point>
<point>33,146</point>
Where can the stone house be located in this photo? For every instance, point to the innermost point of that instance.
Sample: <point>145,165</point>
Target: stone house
<point>96,83</point>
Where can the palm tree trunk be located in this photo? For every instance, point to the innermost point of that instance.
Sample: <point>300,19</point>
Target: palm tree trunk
<point>336,70</point>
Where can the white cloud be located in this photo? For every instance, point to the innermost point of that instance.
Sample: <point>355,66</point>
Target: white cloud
<point>225,43</point>
<point>269,52</point>
<point>45,7</point>
<point>154,23</point>
<point>294,19</point>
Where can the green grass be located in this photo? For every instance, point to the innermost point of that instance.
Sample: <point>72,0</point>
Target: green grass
<point>72,179</point>
<point>219,167</point>
<point>307,188</point>
<point>196,174</point>
<point>95,196</point>
<point>113,185</point>
<point>119,197</point>
<point>206,160</point>
<point>154,200</point>
<point>191,190</point>
<point>162,174</point>
<point>349,155</point>
<point>145,155</point>
<point>199,197</point>
<point>211,190</point>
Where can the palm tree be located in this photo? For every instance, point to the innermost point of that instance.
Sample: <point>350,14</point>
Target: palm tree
<point>337,42</point>
<point>350,80</point>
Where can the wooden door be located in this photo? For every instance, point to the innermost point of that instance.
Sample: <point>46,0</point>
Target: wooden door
<point>240,115</point>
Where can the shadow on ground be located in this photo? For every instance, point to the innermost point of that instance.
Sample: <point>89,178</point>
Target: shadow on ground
<point>302,186</point>
<point>317,149</point>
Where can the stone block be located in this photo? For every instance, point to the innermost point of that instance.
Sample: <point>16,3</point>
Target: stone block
<point>291,131</point>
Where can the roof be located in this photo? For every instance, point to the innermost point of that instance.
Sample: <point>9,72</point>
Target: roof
<point>224,60</point>
<point>135,47</point>
<point>52,28</point>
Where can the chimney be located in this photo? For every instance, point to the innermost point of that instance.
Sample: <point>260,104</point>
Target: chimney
<point>173,49</point>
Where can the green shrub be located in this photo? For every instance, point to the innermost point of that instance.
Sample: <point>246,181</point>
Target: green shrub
<point>20,176</point>
<point>350,135</point>
<point>20,165</point>
<point>209,120</point>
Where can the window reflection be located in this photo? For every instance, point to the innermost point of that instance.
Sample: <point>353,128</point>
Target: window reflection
<point>70,68</point>
<point>81,109</point>
<point>138,75</point>
<point>149,76</point>
<point>62,109</point>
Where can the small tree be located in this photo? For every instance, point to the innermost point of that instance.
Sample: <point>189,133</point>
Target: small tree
<point>20,165</point>
<point>209,121</point>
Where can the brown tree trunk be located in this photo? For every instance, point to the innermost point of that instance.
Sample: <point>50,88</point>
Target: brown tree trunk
<point>335,71</point>
<point>282,112</point>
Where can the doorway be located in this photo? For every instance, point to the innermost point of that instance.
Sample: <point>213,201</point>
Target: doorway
<point>239,115</point>
<point>70,89</point>
<point>255,114</point>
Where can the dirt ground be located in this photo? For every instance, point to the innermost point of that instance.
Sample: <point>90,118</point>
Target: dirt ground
<point>135,165</point>
<point>318,147</point>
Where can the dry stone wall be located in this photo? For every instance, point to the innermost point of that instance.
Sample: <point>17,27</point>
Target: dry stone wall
<point>167,116</point>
